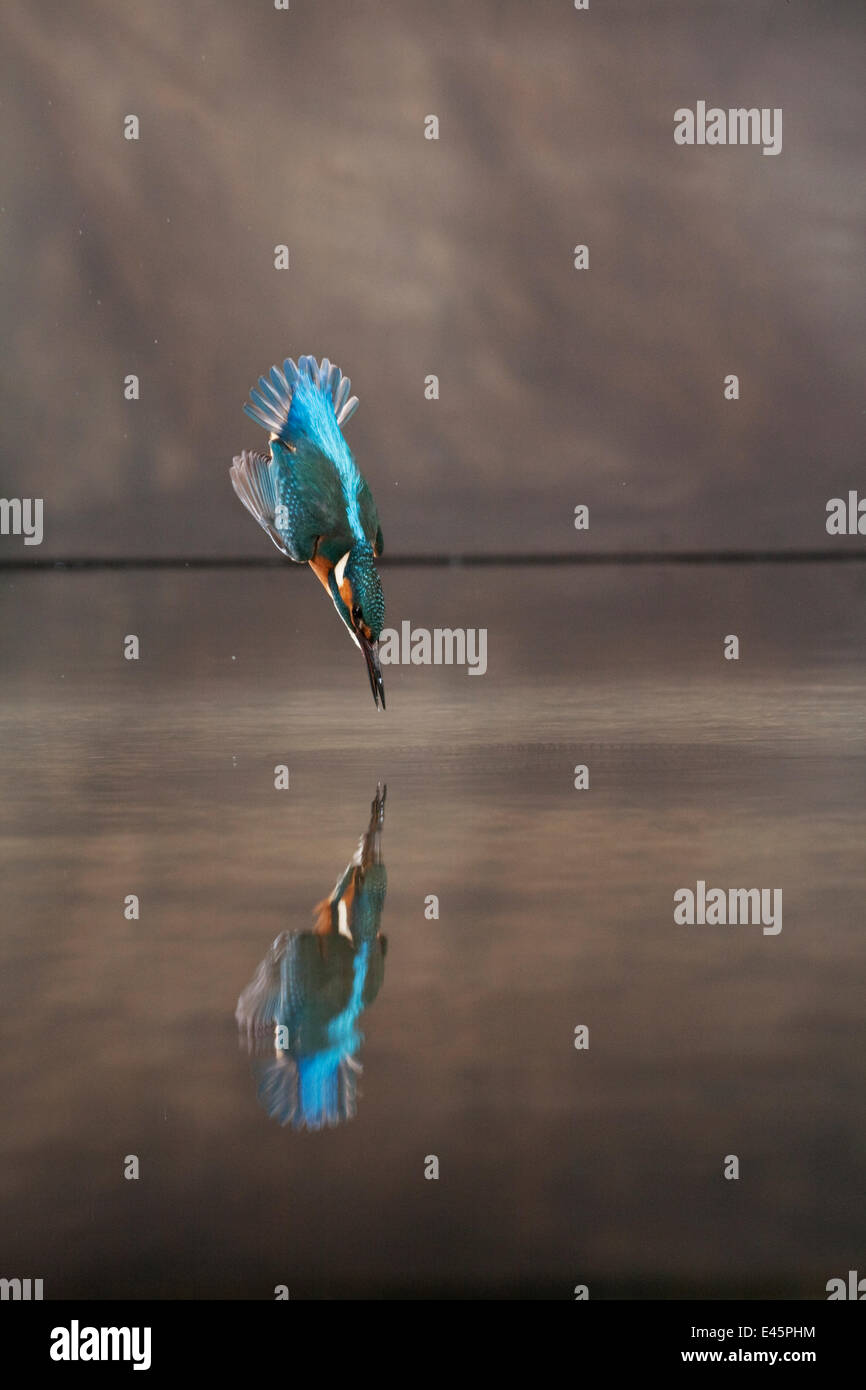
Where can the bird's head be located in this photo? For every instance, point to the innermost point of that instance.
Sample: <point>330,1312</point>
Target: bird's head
<point>358,598</point>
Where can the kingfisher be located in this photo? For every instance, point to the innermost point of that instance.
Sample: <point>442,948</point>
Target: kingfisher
<point>307,996</point>
<point>310,497</point>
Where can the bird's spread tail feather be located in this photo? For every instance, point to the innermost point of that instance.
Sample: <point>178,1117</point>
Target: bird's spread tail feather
<point>272,401</point>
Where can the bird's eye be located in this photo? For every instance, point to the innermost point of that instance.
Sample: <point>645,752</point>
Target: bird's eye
<point>356,615</point>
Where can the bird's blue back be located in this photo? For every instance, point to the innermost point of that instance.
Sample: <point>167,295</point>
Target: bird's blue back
<point>319,441</point>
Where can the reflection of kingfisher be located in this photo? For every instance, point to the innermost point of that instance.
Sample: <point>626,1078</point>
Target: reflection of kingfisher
<point>309,992</point>
<point>310,498</point>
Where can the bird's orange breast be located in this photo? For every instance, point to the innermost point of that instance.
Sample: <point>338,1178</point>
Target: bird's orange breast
<point>321,569</point>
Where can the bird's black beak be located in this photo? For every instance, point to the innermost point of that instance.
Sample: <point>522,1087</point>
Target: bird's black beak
<point>371,656</point>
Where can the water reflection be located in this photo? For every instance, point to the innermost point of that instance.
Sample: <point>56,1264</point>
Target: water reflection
<point>308,994</point>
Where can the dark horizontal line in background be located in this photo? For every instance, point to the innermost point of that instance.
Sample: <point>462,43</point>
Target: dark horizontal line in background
<point>630,557</point>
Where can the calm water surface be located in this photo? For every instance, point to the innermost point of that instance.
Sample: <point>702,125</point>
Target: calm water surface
<point>156,778</point>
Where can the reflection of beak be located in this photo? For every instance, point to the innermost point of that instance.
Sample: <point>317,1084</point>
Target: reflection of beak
<point>371,843</point>
<point>371,656</point>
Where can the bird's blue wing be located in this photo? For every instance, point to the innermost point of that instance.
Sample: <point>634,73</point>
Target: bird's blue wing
<point>370,518</point>
<point>294,498</point>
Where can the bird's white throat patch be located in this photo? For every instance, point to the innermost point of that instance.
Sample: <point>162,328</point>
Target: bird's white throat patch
<point>340,568</point>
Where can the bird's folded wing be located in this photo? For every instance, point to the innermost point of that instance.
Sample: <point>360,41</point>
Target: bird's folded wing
<point>370,518</point>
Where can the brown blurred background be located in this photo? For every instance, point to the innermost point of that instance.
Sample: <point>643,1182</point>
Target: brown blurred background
<point>454,257</point>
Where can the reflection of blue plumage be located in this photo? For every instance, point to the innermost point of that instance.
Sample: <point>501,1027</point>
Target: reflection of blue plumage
<point>308,994</point>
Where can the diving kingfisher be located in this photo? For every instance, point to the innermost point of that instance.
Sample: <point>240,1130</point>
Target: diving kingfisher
<point>304,1004</point>
<point>311,499</point>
